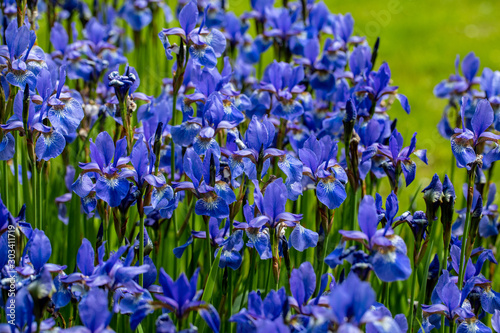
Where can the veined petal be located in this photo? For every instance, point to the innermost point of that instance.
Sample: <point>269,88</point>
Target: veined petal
<point>201,145</point>
<point>212,205</point>
<point>185,133</point>
<point>7,147</point>
<point>50,145</point>
<point>20,78</point>
<point>261,242</point>
<point>204,55</point>
<point>224,191</point>
<point>331,192</point>
<point>288,109</point>
<point>112,189</point>
<point>66,117</point>
<point>409,169</point>
<point>291,167</point>
<point>463,151</point>
<point>302,238</point>
<point>82,186</point>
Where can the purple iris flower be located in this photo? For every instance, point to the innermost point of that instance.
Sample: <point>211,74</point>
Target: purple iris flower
<point>283,81</point>
<point>318,157</point>
<point>490,84</point>
<point>352,305</point>
<point>448,300</point>
<point>205,46</point>
<point>111,274</point>
<point>64,111</point>
<point>388,251</point>
<point>253,154</point>
<point>124,84</point>
<point>15,54</point>
<point>207,186</point>
<point>303,285</point>
<point>94,313</point>
<point>398,158</point>
<point>376,87</point>
<point>465,141</point>
<point>283,24</point>
<point>179,298</point>
<point>261,314</point>
<point>456,84</point>
<point>272,215</point>
<point>475,282</point>
<point>106,163</point>
<point>143,160</point>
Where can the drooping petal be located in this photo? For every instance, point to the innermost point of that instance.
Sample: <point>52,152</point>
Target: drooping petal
<point>39,249</point>
<point>7,147</point>
<point>66,116</point>
<point>212,205</point>
<point>302,238</point>
<point>112,189</point>
<point>49,145</point>
<point>463,151</point>
<point>331,192</point>
<point>261,242</point>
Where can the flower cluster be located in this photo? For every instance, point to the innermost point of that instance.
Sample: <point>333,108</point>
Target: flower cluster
<point>271,190</point>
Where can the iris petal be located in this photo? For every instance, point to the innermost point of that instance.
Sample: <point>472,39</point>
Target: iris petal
<point>50,145</point>
<point>331,192</point>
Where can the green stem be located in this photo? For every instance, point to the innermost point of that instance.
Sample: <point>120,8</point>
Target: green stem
<point>207,241</point>
<point>34,175</point>
<point>39,196</point>
<point>141,247</point>
<point>412,297</point>
<point>174,221</point>
<point>465,237</point>
<point>5,190</point>
<point>249,280</point>
<point>16,174</point>
<point>172,144</point>
<point>24,170</point>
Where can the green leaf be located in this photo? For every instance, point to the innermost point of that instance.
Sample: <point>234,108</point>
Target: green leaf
<point>209,288</point>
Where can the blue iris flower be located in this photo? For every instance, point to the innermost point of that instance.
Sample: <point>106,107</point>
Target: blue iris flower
<point>353,303</point>
<point>211,198</point>
<point>180,298</point>
<point>456,85</point>
<point>283,81</point>
<point>398,158</point>
<point>318,157</point>
<point>388,251</point>
<point>18,45</point>
<point>271,213</point>
<point>204,45</point>
<point>465,141</point>
<point>230,245</point>
<point>106,164</point>
<point>94,313</point>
